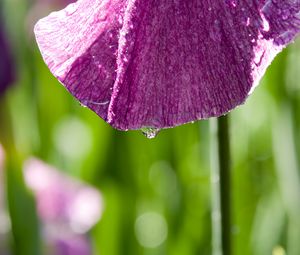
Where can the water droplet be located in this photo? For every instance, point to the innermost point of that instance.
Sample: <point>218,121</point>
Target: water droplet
<point>149,132</point>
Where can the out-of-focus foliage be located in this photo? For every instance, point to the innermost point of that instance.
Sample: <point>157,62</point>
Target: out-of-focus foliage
<point>156,192</point>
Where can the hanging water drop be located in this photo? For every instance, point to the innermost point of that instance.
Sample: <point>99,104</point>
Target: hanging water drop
<point>149,132</point>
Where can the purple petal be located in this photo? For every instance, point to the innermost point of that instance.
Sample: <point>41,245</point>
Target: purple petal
<point>164,63</point>
<point>4,217</point>
<point>6,63</point>
<point>79,45</point>
<point>61,200</point>
<point>78,245</point>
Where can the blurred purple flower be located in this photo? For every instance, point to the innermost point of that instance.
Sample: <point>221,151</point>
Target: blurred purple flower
<point>67,207</point>
<point>78,245</point>
<point>7,72</point>
<point>2,158</point>
<point>5,224</point>
<point>163,63</point>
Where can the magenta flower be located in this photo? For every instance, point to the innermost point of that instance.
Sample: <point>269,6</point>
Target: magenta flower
<point>68,209</point>
<point>163,63</point>
<point>6,63</point>
<point>71,245</point>
<point>63,202</point>
<point>2,158</point>
<point>5,224</point>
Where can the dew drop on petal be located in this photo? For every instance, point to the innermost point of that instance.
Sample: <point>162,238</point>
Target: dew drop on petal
<point>149,132</point>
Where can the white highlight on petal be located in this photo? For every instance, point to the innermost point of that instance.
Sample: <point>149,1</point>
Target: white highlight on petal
<point>265,51</point>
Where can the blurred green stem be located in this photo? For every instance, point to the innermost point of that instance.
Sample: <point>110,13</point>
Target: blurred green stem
<point>19,201</point>
<point>6,136</point>
<point>221,187</point>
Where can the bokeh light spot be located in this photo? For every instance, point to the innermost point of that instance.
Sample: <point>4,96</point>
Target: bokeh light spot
<point>151,229</point>
<point>72,138</point>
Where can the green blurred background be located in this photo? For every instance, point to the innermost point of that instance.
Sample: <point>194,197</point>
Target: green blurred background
<point>161,184</point>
